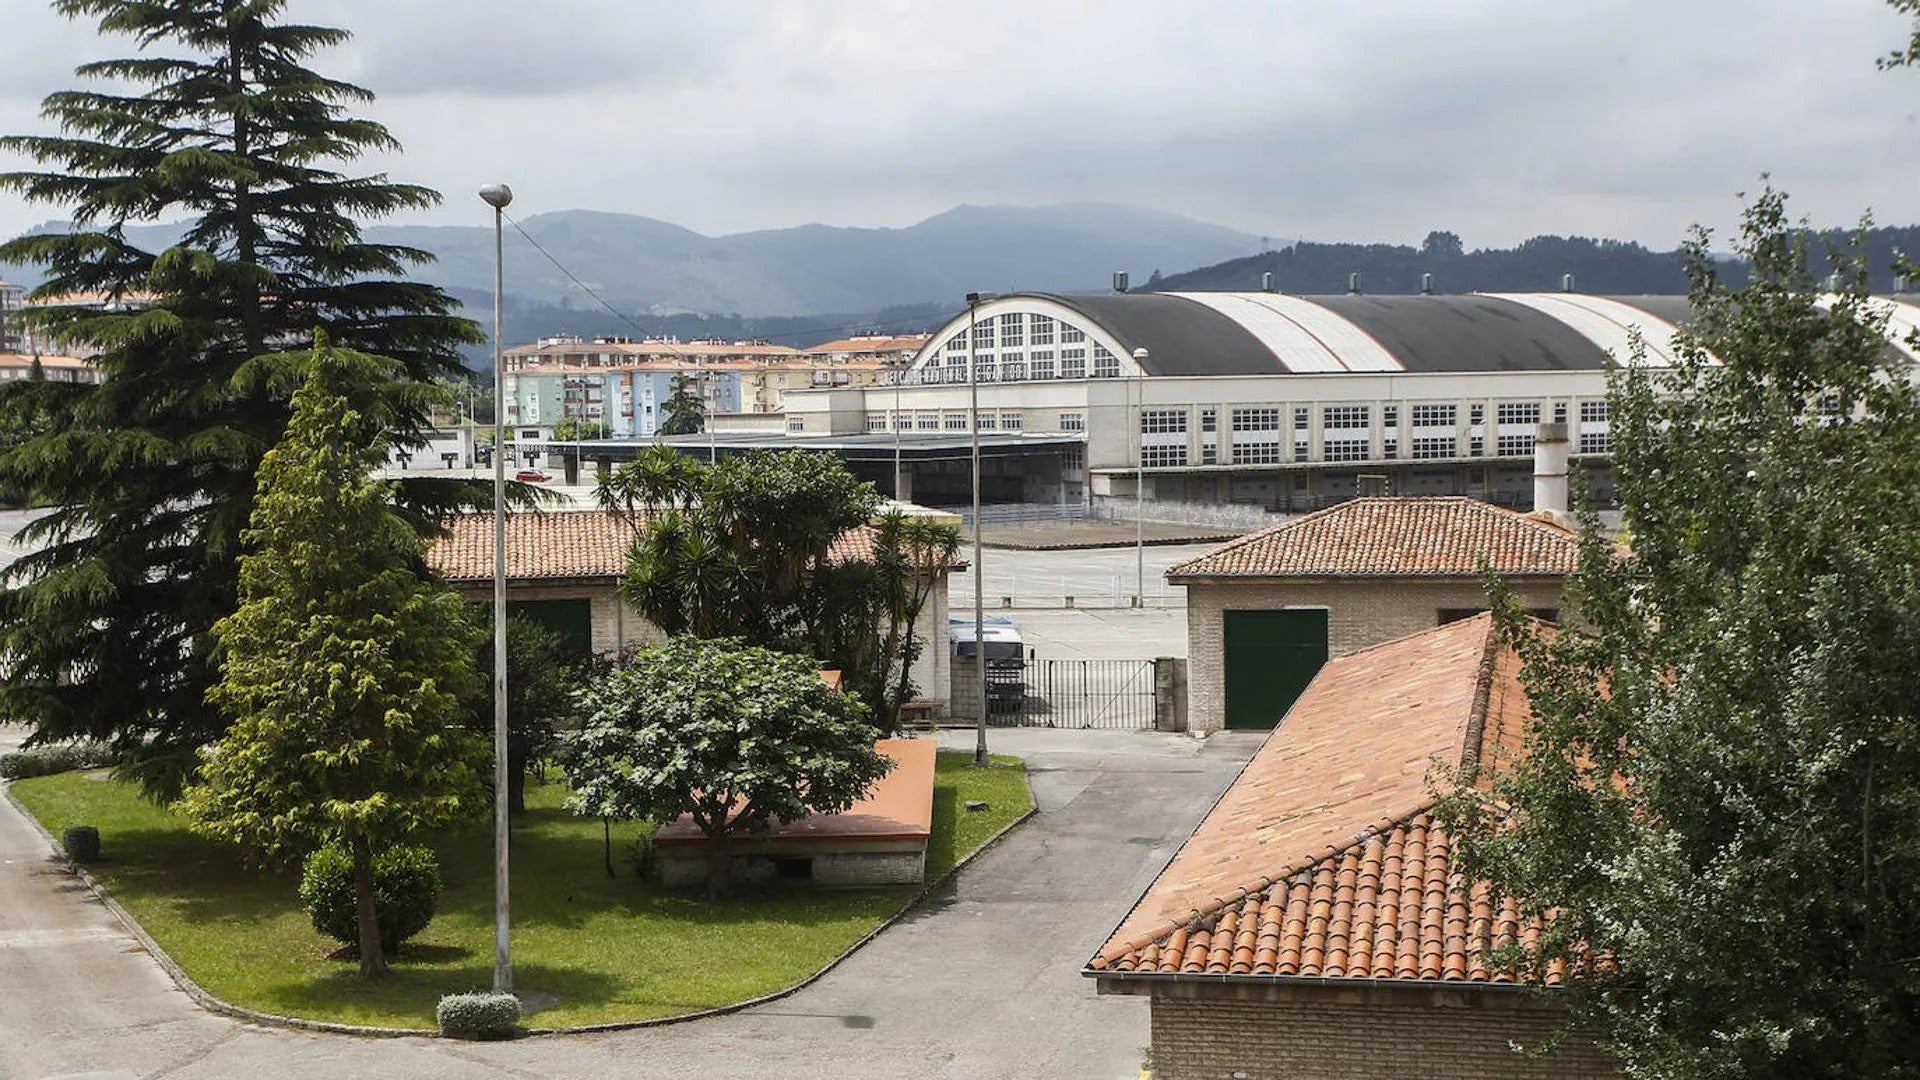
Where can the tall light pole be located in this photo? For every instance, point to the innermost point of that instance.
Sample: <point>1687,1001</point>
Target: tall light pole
<point>897,377</point>
<point>1140,481</point>
<point>979,603</point>
<point>498,196</point>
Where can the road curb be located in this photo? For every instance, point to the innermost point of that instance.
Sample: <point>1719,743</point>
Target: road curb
<point>211,1003</point>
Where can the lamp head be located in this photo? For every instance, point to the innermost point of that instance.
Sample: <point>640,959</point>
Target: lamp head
<point>496,195</point>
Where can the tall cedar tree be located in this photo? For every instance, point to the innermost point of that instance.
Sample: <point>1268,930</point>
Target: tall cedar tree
<point>1721,788</point>
<point>349,679</point>
<point>152,472</point>
<point>735,737</point>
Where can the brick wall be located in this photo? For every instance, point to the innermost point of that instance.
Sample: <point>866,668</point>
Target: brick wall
<point>1360,613</point>
<point>1444,1036</point>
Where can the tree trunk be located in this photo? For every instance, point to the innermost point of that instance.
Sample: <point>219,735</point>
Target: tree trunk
<point>519,751</point>
<point>719,866</point>
<point>373,960</point>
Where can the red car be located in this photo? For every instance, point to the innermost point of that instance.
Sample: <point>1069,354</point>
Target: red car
<point>531,476</point>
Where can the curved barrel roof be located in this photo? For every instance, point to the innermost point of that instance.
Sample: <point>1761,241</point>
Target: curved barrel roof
<point>1259,333</point>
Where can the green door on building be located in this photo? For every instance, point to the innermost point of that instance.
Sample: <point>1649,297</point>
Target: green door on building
<point>1271,656</point>
<point>571,620</point>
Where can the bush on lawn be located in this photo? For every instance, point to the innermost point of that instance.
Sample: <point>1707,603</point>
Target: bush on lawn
<point>82,843</point>
<point>57,758</point>
<point>406,889</point>
<point>478,1015</point>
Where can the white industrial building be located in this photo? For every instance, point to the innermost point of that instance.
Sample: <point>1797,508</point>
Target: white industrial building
<point>1266,399</point>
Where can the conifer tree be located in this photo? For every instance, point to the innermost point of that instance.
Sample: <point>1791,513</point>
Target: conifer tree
<point>348,678</point>
<point>216,118</point>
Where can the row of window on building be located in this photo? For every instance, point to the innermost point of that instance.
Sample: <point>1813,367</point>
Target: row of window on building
<point>1347,433</point>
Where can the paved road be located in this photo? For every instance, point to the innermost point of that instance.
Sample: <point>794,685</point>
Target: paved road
<point>1094,577</point>
<point>980,983</point>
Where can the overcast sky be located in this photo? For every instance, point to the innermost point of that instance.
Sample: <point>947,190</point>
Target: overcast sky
<point>1358,120</point>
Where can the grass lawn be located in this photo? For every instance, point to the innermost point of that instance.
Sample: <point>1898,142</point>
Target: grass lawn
<point>589,948</point>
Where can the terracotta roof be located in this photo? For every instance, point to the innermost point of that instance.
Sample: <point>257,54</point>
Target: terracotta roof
<point>1323,860</point>
<point>572,544</point>
<point>1394,536</point>
<point>554,544</point>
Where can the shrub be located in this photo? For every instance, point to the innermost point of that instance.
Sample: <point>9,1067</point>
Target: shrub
<point>406,888</point>
<point>55,758</point>
<point>479,1015</point>
<point>82,843</point>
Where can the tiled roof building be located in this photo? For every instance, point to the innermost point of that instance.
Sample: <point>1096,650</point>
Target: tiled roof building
<point>1265,610</point>
<point>1395,536</point>
<point>1320,898</point>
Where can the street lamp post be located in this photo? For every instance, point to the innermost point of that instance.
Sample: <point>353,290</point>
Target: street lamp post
<point>979,603</point>
<point>498,196</point>
<point>1140,481</point>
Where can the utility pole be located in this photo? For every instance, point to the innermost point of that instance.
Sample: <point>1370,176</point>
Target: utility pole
<point>498,196</point>
<point>979,603</point>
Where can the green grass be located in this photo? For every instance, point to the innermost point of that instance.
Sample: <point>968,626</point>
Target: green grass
<point>589,948</point>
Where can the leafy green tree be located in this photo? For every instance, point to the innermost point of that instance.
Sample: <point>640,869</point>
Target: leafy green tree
<point>738,738</point>
<point>573,427</point>
<point>1720,793</point>
<point>868,608</point>
<point>683,413</point>
<point>728,550</point>
<point>216,117</point>
<point>541,678</point>
<point>1908,55</point>
<point>347,677</point>
<point>746,548</point>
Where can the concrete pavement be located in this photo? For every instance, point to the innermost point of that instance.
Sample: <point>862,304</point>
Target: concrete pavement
<point>980,982</point>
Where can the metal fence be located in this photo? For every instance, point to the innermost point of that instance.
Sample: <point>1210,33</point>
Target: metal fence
<point>1078,694</point>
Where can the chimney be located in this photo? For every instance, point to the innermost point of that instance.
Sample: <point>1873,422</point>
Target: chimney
<point>1426,284</point>
<point>1353,282</point>
<point>1550,470</point>
<point>1119,281</point>
<point>1566,282</point>
<point>1266,281</point>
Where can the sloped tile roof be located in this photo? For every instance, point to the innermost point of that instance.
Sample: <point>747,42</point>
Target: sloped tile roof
<point>1394,536</point>
<point>572,544</point>
<point>1322,860</point>
<point>553,544</point>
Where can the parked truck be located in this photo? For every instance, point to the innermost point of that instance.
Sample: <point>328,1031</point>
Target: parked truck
<point>1006,659</point>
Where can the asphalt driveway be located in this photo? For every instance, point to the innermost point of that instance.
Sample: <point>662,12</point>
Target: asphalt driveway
<point>981,982</point>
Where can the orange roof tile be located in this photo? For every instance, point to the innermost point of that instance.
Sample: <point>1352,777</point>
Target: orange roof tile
<point>1323,860</point>
<point>572,544</point>
<point>1395,536</point>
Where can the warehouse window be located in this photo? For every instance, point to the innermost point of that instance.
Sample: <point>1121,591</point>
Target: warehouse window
<point>1260,453</point>
<point>1039,330</point>
<point>1011,330</point>
<point>1073,421</point>
<point>1436,415</point>
<point>1163,421</point>
<point>1593,412</point>
<point>1070,333</point>
<point>955,421</point>
<point>1073,363</point>
<point>1426,449</point>
<point>1164,456</point>
<point>1519,412</point>
<point>1256,419</point>
<point>1596,442</point>
<point>1040,364</point>
<point>1515,445</point>
<point>927,422</point>
<point>1105,364</point>
<point>1344,416</point>
<point>1012,421</point>
<point>1345,450</point>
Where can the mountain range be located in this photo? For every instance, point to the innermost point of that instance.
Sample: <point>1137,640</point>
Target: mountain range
<point>646,267</point>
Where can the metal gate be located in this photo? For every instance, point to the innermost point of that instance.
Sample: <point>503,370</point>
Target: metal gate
<point>1076,694</point>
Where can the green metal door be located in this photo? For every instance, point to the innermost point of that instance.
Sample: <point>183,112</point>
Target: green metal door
<point>571,620</point>
<point>1271,656</point>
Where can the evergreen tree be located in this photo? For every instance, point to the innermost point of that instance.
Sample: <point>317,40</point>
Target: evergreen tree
<point>349,679</point>
<point>683,413</point>
<point>153,470</point>
<point>1720,791</point>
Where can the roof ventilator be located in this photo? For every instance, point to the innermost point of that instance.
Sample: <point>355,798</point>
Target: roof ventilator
<point>1119,281</point>
<point>1266,281</point>
<point>1426,284</point>
<point>1353,283</point>
<point>1566,283</point>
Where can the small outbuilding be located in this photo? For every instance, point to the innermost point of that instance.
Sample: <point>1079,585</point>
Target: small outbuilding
<point>880,840</point>
<point>1265,611</point>
<point>1317,924</point>
<point>564,569</point>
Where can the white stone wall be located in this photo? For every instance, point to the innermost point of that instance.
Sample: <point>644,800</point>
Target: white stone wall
<point>1360,613</point>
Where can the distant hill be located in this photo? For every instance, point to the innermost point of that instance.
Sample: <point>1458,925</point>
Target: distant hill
<point>1612,267</point>
<point>648,267</point>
